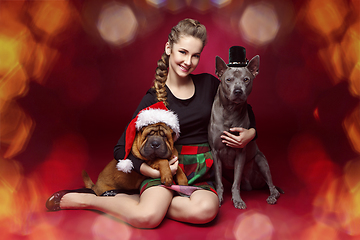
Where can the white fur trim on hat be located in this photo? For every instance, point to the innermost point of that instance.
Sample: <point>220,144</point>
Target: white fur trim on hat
<point>125,165</point>
<point>152,116</point>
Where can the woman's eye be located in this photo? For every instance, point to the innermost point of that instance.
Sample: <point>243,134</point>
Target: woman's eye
<point>197,56</point>
<point>182,52</point>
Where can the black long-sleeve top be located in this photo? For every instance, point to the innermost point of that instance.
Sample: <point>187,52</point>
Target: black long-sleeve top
<point>193,113</point>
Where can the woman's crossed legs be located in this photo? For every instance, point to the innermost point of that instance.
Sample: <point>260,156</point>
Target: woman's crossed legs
<point>149,209</point>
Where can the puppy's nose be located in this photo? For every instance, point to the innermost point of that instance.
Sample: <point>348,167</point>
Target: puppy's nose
<point>238,92</point>
<point>155,144</point>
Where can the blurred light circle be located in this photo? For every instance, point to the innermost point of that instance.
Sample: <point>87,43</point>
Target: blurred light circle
<point>259,23</point>
<point>253,225</point>
<point>103,228</point>
<point>201,6</point>
<point>51,16</point>
<point>117,23</point>
<point>313,166</point>
<point>325,18</point>
<point>156,3</point>
<point>221,3</point>
<point>175,6</point>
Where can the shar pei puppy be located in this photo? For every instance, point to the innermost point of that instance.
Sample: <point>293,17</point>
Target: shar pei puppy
<point>154,131</point>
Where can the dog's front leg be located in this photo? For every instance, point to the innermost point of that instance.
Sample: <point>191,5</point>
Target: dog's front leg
<point>238,170</point>
<point>264,168</point>
<point>165,173</point>
<point>181,178</point>
<point>218,176</point>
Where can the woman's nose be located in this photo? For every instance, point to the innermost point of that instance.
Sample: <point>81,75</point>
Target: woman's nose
<point>188,61</point>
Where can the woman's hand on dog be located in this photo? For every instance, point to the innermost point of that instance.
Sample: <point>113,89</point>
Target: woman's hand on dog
<point>174,164</point>
<point>148,171</point>
<point>240,141</point>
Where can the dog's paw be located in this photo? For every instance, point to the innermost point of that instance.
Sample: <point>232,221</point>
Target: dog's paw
<point>271,200</point>
<point>167,181</point>
<point>221,200</point>
<point>274,192</point>
<point>274,195</point>
<point>220,193</point>
<point>240,204</point>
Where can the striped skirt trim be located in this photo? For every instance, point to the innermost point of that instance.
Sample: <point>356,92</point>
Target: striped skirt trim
<point>196,161</point>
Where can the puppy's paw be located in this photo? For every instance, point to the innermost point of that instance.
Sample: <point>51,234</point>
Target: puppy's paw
<point>167,180</point>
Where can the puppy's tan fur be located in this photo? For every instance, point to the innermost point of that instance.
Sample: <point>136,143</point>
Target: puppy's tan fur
<point>111,178</point>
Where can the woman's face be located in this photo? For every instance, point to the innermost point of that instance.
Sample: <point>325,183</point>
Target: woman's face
<point>184,55</point>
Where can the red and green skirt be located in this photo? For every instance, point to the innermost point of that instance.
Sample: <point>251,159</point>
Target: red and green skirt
<point>196,161</point>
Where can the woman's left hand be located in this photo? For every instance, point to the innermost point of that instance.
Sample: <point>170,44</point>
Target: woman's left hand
<point>234,141</point>
<point>174,163</point>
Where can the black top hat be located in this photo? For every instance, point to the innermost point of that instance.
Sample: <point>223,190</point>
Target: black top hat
<point>237,57</point>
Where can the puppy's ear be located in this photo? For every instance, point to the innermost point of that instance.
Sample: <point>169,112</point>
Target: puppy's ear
<point>220,66</point>
<point>254,65</point>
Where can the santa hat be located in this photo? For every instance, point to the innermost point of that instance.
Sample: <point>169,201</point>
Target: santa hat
<point>153,114</point>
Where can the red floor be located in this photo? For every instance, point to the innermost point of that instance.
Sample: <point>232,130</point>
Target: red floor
<point>303,212</point>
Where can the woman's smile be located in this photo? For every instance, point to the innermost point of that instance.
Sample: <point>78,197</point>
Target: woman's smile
<point>184,56</point>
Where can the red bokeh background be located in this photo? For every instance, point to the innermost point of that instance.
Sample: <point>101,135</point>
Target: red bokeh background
<point>69,85</point>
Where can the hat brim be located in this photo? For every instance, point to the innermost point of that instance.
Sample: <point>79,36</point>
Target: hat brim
<point>237,64</point>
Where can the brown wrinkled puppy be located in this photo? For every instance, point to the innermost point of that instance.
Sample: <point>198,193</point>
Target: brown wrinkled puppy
<point>155,145</point>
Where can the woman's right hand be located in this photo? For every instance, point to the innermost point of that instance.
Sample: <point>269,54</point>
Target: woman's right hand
<point>148,171</point>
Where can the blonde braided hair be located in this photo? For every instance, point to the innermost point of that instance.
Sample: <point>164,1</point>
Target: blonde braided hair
<point>186,27</point>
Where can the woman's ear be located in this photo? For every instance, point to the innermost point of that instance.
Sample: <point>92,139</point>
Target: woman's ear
<point>167,48</point>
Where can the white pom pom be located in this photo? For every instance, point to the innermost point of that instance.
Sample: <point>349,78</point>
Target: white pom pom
<point>125,165</point>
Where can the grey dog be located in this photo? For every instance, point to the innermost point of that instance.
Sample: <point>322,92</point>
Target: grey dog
<point>249,165</point>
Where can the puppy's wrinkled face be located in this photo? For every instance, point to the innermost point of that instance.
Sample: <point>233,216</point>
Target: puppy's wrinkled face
<point>236,82</point>
<point>155,141</point>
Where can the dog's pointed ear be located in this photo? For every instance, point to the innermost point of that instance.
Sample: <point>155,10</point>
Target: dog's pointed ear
<point>220,66</point>
<point>254,65</point>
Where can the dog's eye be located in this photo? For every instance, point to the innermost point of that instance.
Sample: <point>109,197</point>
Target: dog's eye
<point>152,132</point>
<point>228,79</point>
<point>162,133</point>
<point>246,80</point>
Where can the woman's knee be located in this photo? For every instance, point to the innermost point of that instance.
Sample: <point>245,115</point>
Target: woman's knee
<point>206,210</point>
<point>154,203</point>
<point>148,219</point>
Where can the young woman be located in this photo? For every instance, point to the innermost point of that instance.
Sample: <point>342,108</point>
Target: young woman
<point>190,97</point>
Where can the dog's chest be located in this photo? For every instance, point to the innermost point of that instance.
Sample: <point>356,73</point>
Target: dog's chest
<point>228,156</point>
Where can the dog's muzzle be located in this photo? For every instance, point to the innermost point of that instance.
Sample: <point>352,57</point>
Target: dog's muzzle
<point>155,147</point>
<point>238,92</point>
<point>155,144</point>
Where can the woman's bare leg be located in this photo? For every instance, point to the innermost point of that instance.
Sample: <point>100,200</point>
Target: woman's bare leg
<point>146,211</point>
<point>201,207</point>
